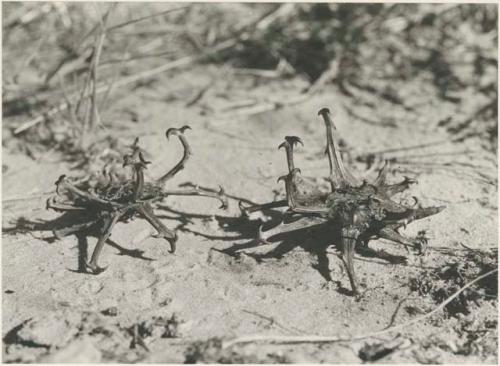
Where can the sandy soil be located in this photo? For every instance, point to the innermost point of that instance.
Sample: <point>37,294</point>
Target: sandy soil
<point>220,284</point>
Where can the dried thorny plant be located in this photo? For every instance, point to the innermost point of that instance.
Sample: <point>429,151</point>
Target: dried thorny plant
<point>363,211</point>
<point>122,200</point>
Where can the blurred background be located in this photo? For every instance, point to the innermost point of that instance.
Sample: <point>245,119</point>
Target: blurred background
<point>65,63</point>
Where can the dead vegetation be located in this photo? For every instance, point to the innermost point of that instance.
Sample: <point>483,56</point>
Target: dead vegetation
<point>339,43</point>
<point>51,339</point>
<point>442,282</point>
<point>80,83</point>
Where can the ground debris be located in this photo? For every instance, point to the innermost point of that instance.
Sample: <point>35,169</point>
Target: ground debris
<point>52,330</point>
<point>211,351</point>
<point>375,351</point>
<point>441,282</point>
<point>63,336</point>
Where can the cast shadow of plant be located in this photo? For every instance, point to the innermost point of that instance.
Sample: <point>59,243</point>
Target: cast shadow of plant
<point>314,240</point>
<point>60,225</point>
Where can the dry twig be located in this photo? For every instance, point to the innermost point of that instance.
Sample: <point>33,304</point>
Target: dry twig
<point>339,338</point>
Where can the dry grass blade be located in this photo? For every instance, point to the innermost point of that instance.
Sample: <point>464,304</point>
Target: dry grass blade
<point>91,120</point>
<point>104,87</point>
<point>183,61</point>
<point>339,338</point>
<point>124,24</point>
<point>121,25</point>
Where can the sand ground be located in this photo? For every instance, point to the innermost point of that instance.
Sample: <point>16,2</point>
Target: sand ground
<point>219,284</point>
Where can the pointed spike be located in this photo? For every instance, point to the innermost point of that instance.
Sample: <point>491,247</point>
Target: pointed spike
<point>135,144</point>
<point>143,162</point>
<point>141,158</point>
<point>60,181</point>
<point>420,213</point>
<point>283,177</point>
<point>382,175</point>
<point>294,140</point>
<point>176,131</point>
<point>222,197</point>
<point>171,241</point>
<point>337,169</point>
<point>392,189</point>
<point>325,113</point>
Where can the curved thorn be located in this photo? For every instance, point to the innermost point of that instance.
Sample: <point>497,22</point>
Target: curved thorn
<point>325,113</point>
<point>176,131</point>
<point>283,177</point>
<point>171,241</point>
<point>173,245</point>
<point>323,110</point>
<point>143,161</point>
<point>294,140</point>
<point>126,160</point>
<point>61,180</point>
<point>223,198</point>
<point>135,144</point>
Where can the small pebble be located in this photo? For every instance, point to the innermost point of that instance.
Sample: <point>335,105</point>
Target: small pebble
<point>112,311</point>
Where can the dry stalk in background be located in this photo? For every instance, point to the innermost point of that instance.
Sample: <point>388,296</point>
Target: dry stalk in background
<point>242,32</point>
<point>91,113</point>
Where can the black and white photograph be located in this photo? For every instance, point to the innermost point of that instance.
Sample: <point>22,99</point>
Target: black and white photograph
<point>249,182</point>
